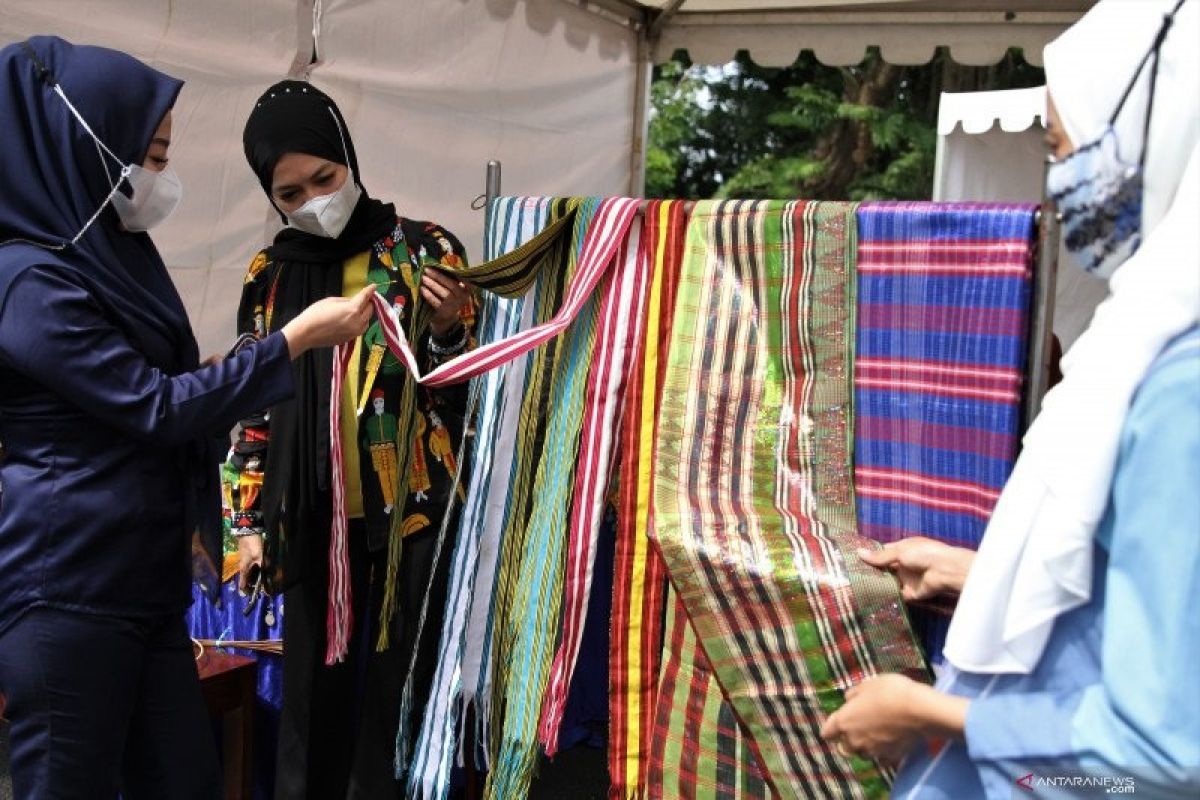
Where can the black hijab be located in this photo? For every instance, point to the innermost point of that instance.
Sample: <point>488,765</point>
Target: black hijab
<point>296,117</point>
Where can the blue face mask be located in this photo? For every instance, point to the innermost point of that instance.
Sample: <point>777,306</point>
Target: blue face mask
<point>1098,193</point>
<point>1100,199</point>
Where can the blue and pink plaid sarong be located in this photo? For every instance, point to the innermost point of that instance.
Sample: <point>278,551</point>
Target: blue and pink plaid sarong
<point>943,313</point>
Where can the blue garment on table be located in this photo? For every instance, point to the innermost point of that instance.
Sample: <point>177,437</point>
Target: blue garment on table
<point>1115,691</point>
<point>208,620</point>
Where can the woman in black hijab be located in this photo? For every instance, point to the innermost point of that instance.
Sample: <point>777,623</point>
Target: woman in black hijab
<point>341,687</point>
<point>107,423</point>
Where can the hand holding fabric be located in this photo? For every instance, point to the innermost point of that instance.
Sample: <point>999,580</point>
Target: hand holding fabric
<point>331,321</point>
<point>446,296</point>
<point>886,715</point>
<point>925,568</point>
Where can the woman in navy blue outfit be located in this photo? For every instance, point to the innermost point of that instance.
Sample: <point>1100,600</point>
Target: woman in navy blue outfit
<point>111,432</point>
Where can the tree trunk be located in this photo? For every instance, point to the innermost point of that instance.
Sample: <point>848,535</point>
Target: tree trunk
<point>847,147</point>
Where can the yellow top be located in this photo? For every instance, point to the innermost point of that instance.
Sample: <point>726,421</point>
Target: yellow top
<point>354,278</point>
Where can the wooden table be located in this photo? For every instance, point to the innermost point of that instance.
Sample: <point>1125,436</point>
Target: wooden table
<point>228,684</point>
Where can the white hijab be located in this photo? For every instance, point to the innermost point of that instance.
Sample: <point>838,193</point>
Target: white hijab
<point>1035,561</point>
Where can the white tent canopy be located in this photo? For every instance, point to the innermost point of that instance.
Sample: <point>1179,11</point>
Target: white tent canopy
<point>433,89</point>
<point>907,31</point>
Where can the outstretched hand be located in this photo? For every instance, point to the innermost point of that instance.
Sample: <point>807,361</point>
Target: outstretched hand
<point>330,321</point>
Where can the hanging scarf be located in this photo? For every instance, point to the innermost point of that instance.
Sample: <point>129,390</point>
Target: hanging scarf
<point>509,275</point>
<point>527,624</point>
<point>510,223</point>
<point>639,576</point>
<point>618,336</point>
<point>754,505</point>
<point>699,750</point>
<point>943,311</point>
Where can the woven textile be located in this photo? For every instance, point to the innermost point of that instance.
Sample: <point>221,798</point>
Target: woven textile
<point>508,275</point>
<point>618,335</point>
<point>639,576</point>
<point>698,751</point>
<point>943,315</point>
<point>511,222</point>
<point>528,628</point>
<point>754,508</point>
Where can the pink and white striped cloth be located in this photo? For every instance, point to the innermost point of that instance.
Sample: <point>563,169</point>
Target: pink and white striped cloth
<point>604,235</point>
<point>622,318</point>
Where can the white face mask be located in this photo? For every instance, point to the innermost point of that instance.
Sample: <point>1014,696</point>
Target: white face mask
<point>155,197</point>
<point>328,214</point>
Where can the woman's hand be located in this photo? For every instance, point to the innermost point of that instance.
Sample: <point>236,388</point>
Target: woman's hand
<point>250,553</point>
<point>885,716</point>
<point>446,297</point>
<point>924,567</point>
<point>331,321</point>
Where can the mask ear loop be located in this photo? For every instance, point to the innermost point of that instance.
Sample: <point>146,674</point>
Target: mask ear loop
<point>101,149</point>
<point>1168,19</point>
<point>126,169</point>
<point>345,150</point>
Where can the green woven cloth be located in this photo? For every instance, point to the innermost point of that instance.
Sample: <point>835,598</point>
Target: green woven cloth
<point>753,495</point>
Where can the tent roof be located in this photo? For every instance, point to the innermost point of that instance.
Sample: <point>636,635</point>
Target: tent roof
<point>1015,110</point>
<point>907,31</point>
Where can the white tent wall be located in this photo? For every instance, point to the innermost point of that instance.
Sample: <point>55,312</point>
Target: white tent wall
<point>431,90</point>
<point>990,147</point>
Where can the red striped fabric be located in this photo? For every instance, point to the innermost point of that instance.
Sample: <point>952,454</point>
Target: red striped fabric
<point>620,329</point>
<point>639,576</point>
<point>599,246</point>
<point>603,237</point>
<point>339,616</point>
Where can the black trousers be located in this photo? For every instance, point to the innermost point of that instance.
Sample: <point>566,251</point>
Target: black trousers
<point>100,703</point>
<point>338,724</point>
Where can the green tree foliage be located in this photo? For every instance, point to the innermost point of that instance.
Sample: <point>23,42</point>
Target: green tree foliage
<point>808,130</point>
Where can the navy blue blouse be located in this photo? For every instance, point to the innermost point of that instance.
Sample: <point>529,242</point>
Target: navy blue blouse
<point>93,477</point>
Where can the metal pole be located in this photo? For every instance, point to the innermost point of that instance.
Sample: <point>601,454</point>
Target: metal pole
<point>491,190</point>
<point>491,185</point>
<point>1041,323</point>
<point>641,103</point>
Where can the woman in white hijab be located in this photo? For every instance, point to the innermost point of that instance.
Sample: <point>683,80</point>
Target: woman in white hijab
<point>1072,653</point>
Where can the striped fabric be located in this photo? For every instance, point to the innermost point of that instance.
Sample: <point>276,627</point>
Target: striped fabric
<point>339,618</point>
<point>532,441</point>
<point>530,629</point>
<point>943,313</point>
<point>618,337</point>
<point>509,275</point>
<point>511,222</point>
<point>754,508</point>
<point>639,576</point>
<point>698,751</point>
